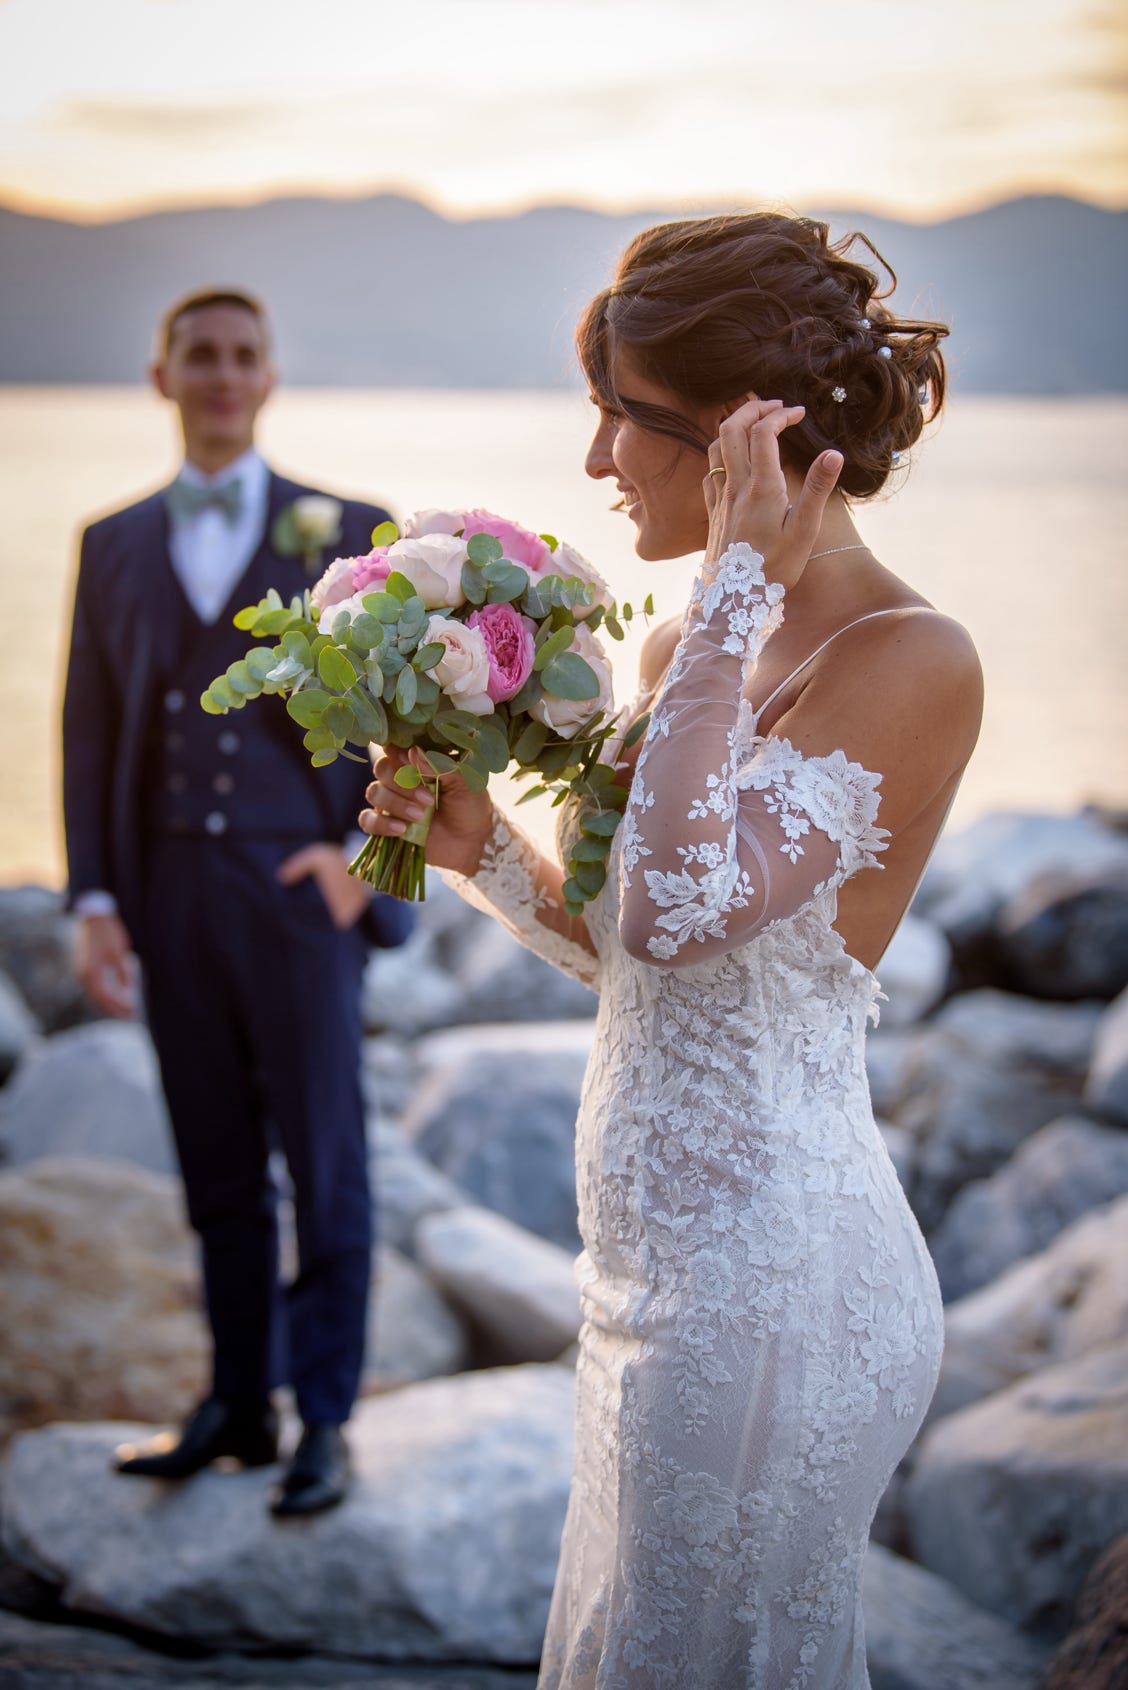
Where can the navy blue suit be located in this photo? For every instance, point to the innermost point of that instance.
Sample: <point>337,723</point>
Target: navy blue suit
<point>252,995</point>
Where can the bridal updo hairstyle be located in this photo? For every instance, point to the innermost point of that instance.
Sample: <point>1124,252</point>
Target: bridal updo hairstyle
<point>760,302</point>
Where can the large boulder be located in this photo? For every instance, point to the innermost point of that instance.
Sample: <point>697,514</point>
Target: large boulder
<point>93,1092</point>
<point>502,980</point>
<point>987,1073</point>
<point>1013,1499</point>
<point>99,1286</point>
<point>496,1112</point>
<point>519,1290</point>
<point>1107,1088</point>
<point>413,1333</point>
<point>1094,1656</point>
<point>405,1185</point>
<point>36,952</point>
<point>922,1634</point>
<point>18,1027</point>
<point>1066,934</point>
<point>1053,1307</point>
<point>978,869</point>
<point>445,1549</point>
<point>407,991</point>
<point>913,971</point>
<point>1059,1174</point>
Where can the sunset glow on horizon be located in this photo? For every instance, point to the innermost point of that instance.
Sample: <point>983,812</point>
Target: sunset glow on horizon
<point>909,107</point>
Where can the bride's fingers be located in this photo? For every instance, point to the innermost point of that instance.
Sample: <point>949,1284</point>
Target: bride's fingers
<point>806,516</point>
<point>764,461</point>
<point>733,437</point>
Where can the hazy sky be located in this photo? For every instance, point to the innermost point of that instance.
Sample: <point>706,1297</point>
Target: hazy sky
<point>919,107</point>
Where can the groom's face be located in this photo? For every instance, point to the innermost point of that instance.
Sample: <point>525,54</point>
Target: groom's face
<point>218,372</point>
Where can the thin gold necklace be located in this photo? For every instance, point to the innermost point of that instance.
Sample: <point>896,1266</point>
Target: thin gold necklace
<point>832,549</point>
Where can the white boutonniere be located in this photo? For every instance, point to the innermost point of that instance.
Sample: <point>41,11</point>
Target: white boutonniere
<point>306,528</point>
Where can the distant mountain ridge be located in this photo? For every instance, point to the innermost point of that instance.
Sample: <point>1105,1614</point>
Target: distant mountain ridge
<point>384,292</point>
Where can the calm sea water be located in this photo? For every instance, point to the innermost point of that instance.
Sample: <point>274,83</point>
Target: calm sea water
<point>1012,519</point>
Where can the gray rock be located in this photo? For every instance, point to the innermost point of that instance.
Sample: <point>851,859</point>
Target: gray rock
<point>1066,934</point>
<point>413,1333</point>
<point>18,1027</point>
<point>99,1284</point>
<point>1054,1307</point>
<point>890,1057</point>
<point>990,862</point>
<point>445,1549</point>
<point>1107,1088</point>
<point>921,1634</point>
<point>986,1074</point>
<point>406,991</point>
<point>389,1074</point>
<point>1055,1038</point>
<point>1013,1499</point>
<point>519,1289</point>
<point>42,1656</point>
<point>496,1112</point>
<point>913,971</point>
<point>405,1185</point>
<point>36,952</point>
<point>503,981</point>
<point>1059,1174</point>
<point>91,1091</point>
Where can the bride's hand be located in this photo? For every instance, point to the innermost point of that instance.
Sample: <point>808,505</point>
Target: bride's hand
<point>750,500</point>
<point>462,824</point>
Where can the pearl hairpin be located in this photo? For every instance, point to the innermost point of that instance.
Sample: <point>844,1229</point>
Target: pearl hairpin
<point>885,352</point>
<point>838,394</point>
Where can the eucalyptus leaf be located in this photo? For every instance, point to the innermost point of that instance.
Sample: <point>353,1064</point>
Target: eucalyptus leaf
<point>241,680</point>
<point>308,707</point>
<point>428,655</point>
<point>613,626</point>
<point>476,778</point>
<point>531,742</point>
<point>248,616</point>
<point>384,534</point>
<point>602,825</point>
<point>568,676</point>
<point>399,586</point>
<point>483,548</point>
<point>384,606</point>
<point>636,730</point>
<point>553,647</point>
<point>406,689</point>
<point>261,661</point>
<point>592,850</point>
<point>370,714</point>
<point>336,670</point>
<point>321,739</point>
<point>440,762</point>
<point>530,694</point>
<point>321,758</point>
<point>473,584</point>
<point>493,748</point>
<point>408,777</point>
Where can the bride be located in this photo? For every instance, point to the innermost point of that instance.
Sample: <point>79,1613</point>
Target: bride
<point>762,1325</point>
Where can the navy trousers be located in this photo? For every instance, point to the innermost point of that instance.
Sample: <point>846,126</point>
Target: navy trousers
<point>253,1000</point>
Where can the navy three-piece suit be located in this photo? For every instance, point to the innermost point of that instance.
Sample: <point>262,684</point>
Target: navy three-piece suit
<point>252,995</point>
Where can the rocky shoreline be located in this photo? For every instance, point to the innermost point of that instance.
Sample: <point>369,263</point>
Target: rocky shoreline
<point>999,1073</point>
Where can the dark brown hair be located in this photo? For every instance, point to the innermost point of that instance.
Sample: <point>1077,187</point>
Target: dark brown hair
<point>761,302</point>
<point>202,298</point>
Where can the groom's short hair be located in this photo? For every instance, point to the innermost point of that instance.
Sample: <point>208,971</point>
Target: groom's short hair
<point>198,301</point>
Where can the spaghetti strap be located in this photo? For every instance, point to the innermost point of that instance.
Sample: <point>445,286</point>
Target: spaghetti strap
<point>890,611</point>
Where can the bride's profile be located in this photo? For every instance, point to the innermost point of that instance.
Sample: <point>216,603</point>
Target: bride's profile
<point>762,1326</point>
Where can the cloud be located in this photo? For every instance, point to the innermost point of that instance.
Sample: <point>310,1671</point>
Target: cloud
<point>142,119</point>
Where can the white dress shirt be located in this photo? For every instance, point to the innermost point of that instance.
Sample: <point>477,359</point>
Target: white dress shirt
<point>209,553</point>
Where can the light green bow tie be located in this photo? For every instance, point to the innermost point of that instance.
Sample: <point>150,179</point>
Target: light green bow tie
<point>185,500</point>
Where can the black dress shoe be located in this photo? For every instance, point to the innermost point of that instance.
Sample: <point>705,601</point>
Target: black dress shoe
<point>317,1477</point>
<point>249,1433</point>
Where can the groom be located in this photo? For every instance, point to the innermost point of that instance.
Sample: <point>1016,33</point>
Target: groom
<point>212,851</point>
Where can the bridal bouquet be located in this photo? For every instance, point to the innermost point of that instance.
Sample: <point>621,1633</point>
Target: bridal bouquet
<point>470,638</point>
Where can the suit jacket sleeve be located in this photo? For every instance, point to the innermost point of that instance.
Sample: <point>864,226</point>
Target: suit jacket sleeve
<point>91,719</point>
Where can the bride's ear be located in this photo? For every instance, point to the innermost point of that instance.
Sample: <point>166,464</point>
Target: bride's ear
<point>728,406</point>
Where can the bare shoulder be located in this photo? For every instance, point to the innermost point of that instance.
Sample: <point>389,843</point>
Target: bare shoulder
<point>927,649</point>
<point>918,665</point>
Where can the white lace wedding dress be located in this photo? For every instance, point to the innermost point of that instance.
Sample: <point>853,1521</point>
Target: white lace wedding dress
<point>762,1323</point>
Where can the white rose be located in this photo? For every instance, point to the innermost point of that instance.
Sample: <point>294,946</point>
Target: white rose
<point>565,715</point>
<point>335,584</point>
<point>568,562</point>
<point>433,522</point>
<point>433,565</point>
<point>463,672</point>
<point>317,519</point>
<point>352,607</point>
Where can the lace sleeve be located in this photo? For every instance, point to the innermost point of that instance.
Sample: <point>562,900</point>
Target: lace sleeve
<point>722,837</point>
<point>521,888</point>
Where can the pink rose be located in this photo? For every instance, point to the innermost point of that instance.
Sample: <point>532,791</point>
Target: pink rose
<point>371,570</point>
<point>517,544</point>
<point>510,646</point>
<point>336,583</point>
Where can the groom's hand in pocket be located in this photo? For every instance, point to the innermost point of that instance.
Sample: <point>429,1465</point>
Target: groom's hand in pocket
<point>105,965</point>
<point>346,897</point>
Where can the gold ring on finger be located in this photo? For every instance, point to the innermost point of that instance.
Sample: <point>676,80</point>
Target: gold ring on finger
<point>719,470</point>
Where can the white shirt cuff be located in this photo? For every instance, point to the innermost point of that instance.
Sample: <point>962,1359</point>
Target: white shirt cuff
<point>95,903</point>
